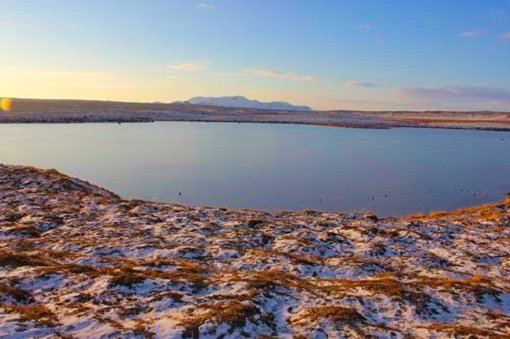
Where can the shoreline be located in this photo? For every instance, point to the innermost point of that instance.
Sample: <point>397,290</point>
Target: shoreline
<point>72,111</point>
<point>334,125</point>
<point>412,216</point>
<point>78,260</point>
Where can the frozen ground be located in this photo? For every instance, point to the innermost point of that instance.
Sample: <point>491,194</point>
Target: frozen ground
<point>78,261</point>
<point>68,111</point>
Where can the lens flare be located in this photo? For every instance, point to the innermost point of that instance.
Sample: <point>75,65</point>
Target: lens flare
<point>6,104</point>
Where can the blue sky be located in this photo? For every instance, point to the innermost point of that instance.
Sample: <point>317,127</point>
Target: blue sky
<point>343,54</point>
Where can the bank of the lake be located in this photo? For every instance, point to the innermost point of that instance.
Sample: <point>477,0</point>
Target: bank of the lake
<point>78,260</point>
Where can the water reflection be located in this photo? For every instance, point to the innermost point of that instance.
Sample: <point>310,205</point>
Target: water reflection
<point>274,167</point>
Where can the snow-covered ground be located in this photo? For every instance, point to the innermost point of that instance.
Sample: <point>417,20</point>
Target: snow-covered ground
<point>78,261</point>
<point>73,111</point>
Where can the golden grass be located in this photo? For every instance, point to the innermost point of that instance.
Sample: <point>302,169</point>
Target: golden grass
<point>29,231</point>
<point>294,258</point>
<point>38,313</point>
<point>385,283</point>
<point>20,260</point>
<point>16,293</point>
<point>487,212</point>
<point>341,314</point>
<point>465,331</point>
<point>168,294</point>
<point>478,285</point>
<point>267,280</point>
<point>233,313</point>
<point>129,276</point>
<point>140,328</point>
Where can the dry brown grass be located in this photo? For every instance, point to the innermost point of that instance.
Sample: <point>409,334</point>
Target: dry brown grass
<point>255,222</point>
<point>488,212</point>
<point>20,260</point>
<point>61,254</point>
<point>478,285</point>
<point>463,331</point>
<point>128,275</point>
<point>140,328</point>
<point>24,231</point>
<point>38,313</point>
<point>365,263</point>
<point>168,294</point>
<point>113,323</point>
<point>294,258</point>
<point>233,313</point>
<point>386,284</point>
<point>72,269</point>
<point>265,281</point>
<point>334,313</point>
<point>10,215</point>
<point>16,293</point>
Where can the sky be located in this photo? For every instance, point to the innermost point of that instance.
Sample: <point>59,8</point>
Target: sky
<point>328,54</point>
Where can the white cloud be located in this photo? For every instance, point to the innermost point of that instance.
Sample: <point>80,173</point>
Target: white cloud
<point>203,6</point>
<point>364,27</point>
<point>271,73</point>
<point>459,94</point>
<point>360,84</point>
<point>188,67</point>
<point>471,34</point>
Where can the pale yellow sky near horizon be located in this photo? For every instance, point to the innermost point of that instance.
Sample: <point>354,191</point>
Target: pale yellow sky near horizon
<point>124,87</point>
<point>162,85</point>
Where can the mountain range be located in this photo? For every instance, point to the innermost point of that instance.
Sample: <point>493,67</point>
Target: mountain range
<point>243,102</point>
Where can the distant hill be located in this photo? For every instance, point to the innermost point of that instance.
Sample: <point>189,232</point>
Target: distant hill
<point>242,102</point>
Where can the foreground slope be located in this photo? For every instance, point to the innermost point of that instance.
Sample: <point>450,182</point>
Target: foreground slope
<point>77,261</point>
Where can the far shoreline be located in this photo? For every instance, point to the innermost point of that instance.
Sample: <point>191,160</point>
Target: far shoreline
<point>334,125</point>
<point>32,111</point>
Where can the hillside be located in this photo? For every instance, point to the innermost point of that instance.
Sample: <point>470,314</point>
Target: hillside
<point>242,102</point>
<point>77,260</point>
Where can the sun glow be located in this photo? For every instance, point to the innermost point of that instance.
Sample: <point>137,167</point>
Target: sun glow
<point>6,104</point>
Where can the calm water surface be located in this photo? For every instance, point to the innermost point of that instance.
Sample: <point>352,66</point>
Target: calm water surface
<point>274,167</point>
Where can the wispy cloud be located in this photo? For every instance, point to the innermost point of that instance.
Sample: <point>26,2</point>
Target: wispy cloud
<point>363,27</point>
<point>506,35</point>
<point>271,73</point>
<point>360,84</point>
<point>188,67</point>
<point>459,94</point>
<point>471,34</point>
<point>203,6</point>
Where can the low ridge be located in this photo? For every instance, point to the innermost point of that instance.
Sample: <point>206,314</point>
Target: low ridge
<point>242,102</point>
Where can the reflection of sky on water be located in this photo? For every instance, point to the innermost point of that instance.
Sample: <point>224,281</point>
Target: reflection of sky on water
<point>274,167</point>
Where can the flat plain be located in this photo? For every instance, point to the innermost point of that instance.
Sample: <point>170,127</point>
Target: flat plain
<point>72,111</point>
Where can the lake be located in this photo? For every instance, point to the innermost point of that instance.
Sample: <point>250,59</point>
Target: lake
<point>274,166</point>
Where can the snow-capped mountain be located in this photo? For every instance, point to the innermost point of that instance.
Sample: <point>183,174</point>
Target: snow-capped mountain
<point>243,102</point>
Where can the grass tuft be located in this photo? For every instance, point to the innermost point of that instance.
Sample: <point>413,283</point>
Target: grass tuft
<point>233,313</point>
<point>38,313</point>
<point>19,260</point>
<point>16,293</point>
